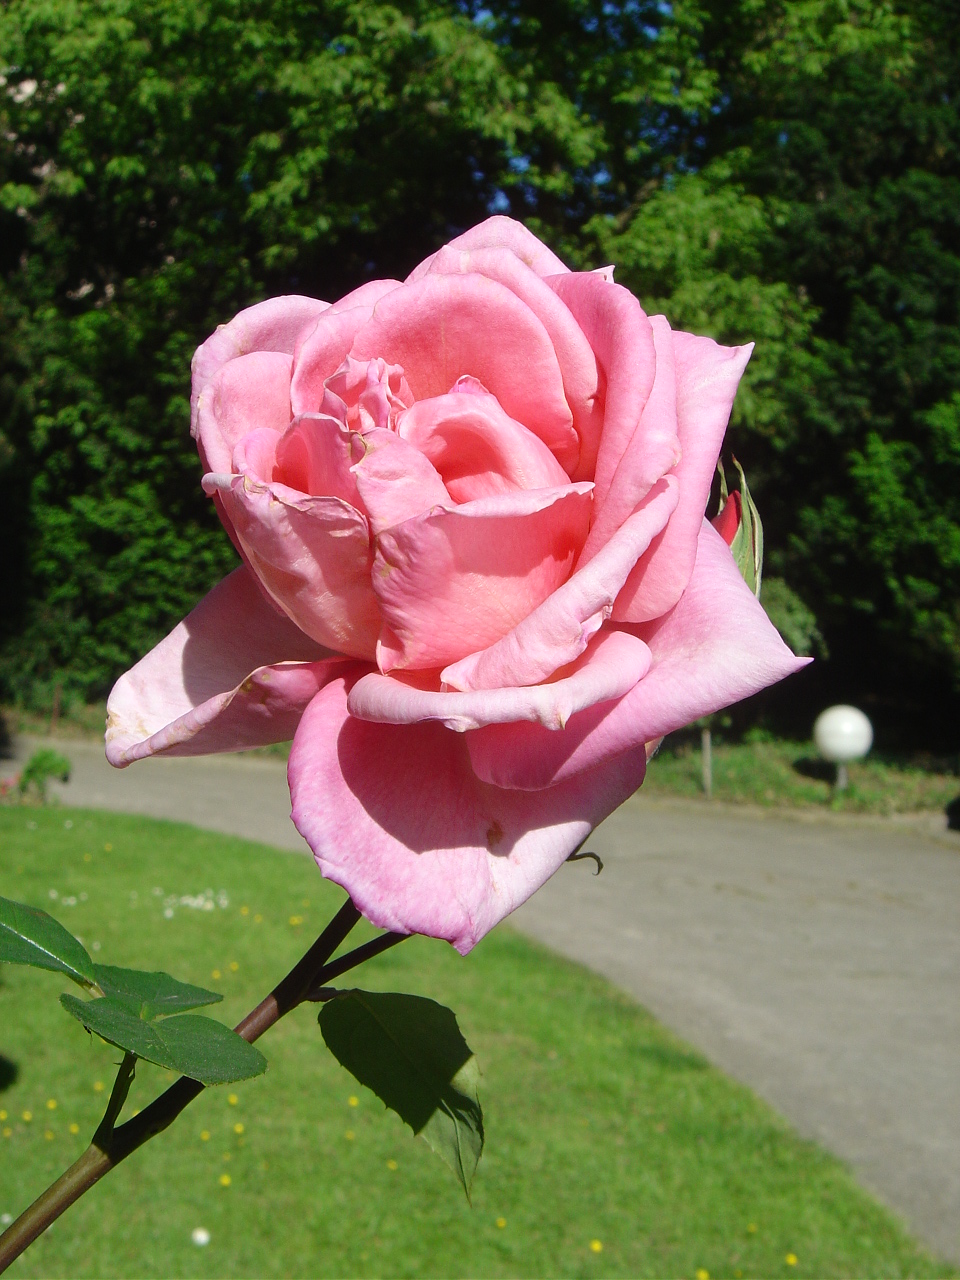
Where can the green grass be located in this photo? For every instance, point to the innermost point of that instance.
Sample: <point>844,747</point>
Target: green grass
<point>601,1126</point>
<point>772,771</point>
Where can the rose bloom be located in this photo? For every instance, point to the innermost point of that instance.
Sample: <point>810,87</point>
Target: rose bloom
<point>477,580</point>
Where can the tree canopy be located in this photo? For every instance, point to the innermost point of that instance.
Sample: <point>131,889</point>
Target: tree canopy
<point>783,171</point>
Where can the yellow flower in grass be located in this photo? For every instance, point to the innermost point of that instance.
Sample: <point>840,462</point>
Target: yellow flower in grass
<point>225,1179</point>
<point>596,1246</point>
<point>791,1259</point>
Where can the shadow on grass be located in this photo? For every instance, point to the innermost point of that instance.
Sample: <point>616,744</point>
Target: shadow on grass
<point>952,810</point>
<point>6,739</point>
<point>813,767</point>
<point>9,1073</point>
<point>674,1059</point>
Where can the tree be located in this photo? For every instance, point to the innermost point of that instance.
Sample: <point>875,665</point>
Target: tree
<point>165,163</point>
<point>820,216</point>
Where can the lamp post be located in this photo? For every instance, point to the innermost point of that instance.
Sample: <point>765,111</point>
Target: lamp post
<point>842,734</point>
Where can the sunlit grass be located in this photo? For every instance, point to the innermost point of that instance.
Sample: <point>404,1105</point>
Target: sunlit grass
<point>612,1148</point>
<point>772,771</point>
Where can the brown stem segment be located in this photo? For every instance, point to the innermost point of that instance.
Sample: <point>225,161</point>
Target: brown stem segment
<point>111,1145</point>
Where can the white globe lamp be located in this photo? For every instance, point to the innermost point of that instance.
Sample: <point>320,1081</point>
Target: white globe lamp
<point>842,734</point>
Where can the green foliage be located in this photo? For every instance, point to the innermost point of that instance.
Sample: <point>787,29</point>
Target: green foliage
<point>779,171</point>
<point>128,1003</point>
<point>792,618</point>
<point>32,937</point>
<point>411,1053</point>
<point>165,163</point>
<point>44,764</point>
<point>822,222</point>
<point>150,995</point>
<point>187,1043</point>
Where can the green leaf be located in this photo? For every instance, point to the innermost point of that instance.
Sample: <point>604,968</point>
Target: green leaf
<point>410,1052</point>
<point>151,995</point>
<point>30,936</point>
<point>189,1043</point>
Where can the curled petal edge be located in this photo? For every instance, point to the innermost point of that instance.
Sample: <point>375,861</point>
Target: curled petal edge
<point>612,665</point>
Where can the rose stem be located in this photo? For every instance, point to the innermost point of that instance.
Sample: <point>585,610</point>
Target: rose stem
<point>111,1145</point>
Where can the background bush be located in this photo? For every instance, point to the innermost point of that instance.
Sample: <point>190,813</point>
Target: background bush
<point>784,172</point>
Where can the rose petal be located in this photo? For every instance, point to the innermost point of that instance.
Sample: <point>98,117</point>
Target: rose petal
<point>501,233</point>
<point>707,378</point>
<point>578,364</point>
<point>559,630</point>
<point>715,648</point>
<point>640,467</point>
<point>194,693</point>
<point>453,581</point>
<point>727,521</point>
<point>274,325</point>
<point>622,340</point>
<point>395,815</point>
<point>445,326</point>
<point>313,456</point>
<point>396,482</point>
<point>312,556</point>
<point>611,666</point>
<point>477,448</point>
<point>249,393</point>
<point>322,353</point>
<point>366,295</point>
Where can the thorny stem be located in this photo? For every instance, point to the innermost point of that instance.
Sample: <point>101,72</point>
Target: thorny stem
<point>110,1145</point>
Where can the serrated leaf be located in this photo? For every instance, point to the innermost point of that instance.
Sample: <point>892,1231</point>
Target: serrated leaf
<point>188,1043</point>
<point>30,936</point>
<point>151,995</point>
<point>410,1052</point>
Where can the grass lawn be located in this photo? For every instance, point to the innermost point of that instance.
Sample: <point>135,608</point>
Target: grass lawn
<point>774,771</point>
<point>612,1148</point>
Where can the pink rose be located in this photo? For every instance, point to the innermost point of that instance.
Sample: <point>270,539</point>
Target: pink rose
<point>477,576</point>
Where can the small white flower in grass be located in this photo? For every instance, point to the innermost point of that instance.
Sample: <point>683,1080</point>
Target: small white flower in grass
<point>6,1219</point>
<point>68,824</point>
<point>52,893</point>
<point>168,913</point>
<point>200,1236</point>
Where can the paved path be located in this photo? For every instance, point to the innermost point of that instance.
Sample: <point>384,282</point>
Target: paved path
<point>817,961</point>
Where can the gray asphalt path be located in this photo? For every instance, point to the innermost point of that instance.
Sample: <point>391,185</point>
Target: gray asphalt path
<point>815,960</point>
